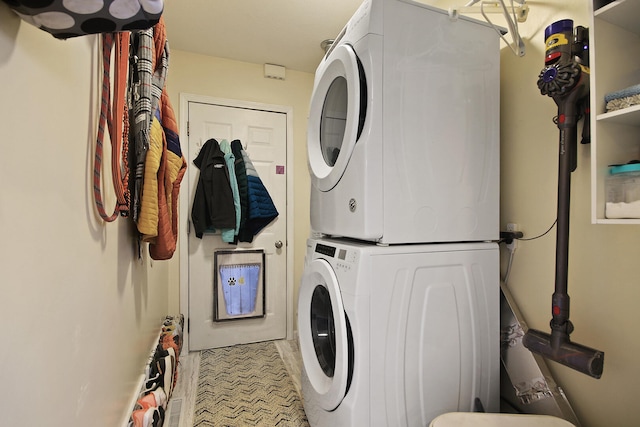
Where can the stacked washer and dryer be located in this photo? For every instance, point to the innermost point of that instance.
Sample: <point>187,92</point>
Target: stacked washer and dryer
<point>398,314</point>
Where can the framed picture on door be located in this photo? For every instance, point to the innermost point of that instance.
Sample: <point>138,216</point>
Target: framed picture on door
<point>239,285</point>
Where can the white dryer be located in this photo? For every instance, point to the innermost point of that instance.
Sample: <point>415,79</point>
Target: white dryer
<point>395,336</point>
<point>403,130</point>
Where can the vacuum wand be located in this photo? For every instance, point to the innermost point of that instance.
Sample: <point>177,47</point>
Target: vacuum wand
<point>557,346</point>
<point>567,81</point>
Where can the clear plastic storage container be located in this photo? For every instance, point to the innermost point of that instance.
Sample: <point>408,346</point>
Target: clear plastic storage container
<point>622,188</point>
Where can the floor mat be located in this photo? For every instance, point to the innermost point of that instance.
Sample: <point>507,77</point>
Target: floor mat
<point>246,385</point>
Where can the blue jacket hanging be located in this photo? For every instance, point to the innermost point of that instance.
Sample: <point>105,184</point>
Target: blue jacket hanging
<point>261,210</point>
<point>228,234</point>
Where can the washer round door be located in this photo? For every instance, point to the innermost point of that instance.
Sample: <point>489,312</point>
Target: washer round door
<point>336,115</point>
<point>322,327</point>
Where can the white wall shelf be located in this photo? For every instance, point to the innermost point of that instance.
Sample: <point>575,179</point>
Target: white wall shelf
<point>614,39</point>
<point>622,13</point>
<point>627,116</point>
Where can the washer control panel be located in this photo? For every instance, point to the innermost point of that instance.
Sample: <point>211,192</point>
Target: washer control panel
<point>326,250</point>
<point>343,259</point>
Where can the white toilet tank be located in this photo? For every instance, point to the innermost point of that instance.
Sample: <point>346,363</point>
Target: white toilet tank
<point>461,419</point>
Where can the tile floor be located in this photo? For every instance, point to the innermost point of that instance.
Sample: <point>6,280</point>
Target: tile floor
<point>183,399</point>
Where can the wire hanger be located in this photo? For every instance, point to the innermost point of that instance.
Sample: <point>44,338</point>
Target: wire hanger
<point>513,14</point>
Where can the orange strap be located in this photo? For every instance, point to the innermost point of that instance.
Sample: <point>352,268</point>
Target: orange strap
<point>118,129</point>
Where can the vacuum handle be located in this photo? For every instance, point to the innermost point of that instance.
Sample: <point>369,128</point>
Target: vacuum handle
<point>568,115</point>
<point>569,107</point>
<point>567,163</point>
<point>586,125</point>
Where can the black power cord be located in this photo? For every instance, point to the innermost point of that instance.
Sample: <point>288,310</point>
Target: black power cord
<point>509,236</point>
<point>541,235</point>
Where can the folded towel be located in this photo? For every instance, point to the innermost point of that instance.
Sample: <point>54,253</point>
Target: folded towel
<point>624,98</point>
<point>623,210</point>
<point>624,93</point>
<point>621,103</point>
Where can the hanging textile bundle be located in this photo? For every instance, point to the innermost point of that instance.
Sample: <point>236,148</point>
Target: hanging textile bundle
<point>156,157</point>
<point>149,65</point>
<point>65,19</point>
<point>159,163</point>
<point>114,115</point>
<point>230,197</point>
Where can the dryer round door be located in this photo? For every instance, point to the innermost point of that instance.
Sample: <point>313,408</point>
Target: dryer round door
<point>322,328</point>
<point>336,114</point>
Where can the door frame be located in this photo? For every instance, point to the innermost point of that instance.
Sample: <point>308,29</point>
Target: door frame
<point>185,98</point>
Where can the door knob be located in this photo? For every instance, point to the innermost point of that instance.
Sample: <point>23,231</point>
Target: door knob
<point>278,244</point>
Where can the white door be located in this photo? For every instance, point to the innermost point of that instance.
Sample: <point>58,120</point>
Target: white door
<point>264,137</point>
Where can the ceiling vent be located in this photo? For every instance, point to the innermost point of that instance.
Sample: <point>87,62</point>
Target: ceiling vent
<point>272,71</point>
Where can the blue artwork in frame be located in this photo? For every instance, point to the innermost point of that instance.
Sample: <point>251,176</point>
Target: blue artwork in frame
<point>239,285</point>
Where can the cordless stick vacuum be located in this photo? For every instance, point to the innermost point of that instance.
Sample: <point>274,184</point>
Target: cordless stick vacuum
<point>565,78</point>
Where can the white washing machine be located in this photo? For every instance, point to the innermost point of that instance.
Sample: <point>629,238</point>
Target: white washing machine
<point>403,129</point>
<point>395,336</point>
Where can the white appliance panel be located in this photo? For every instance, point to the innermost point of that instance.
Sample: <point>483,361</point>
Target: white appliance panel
<point>425,166</point>
<point>438,314</point>
<point>424,331</point>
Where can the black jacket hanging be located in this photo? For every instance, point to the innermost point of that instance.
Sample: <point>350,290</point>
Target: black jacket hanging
<point>213,206</point>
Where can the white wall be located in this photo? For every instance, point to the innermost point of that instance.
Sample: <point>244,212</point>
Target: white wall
<point>80,310</point>
<point>603,259</point>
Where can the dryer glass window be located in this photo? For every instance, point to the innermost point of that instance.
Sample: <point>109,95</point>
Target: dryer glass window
<point>323,330</point>
<point>333,120</point>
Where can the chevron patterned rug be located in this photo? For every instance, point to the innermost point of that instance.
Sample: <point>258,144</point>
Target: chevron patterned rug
<point>246,385</point>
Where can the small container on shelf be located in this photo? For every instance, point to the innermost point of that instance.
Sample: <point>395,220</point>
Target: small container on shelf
<point>622,188</point>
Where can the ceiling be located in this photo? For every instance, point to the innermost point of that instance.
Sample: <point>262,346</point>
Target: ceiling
<point>282,32</point>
